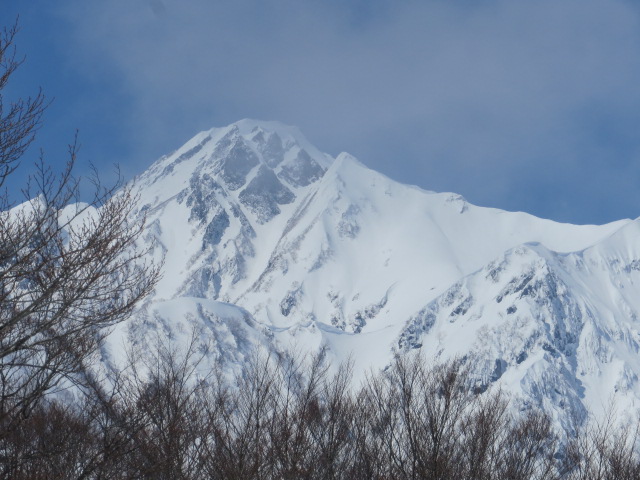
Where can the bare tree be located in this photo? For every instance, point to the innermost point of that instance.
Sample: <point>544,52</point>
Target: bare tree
<point>603,450</point>
<point>68,270</point>
<point>290,419</point>
<point>166,406</point>
<point>19,119</point>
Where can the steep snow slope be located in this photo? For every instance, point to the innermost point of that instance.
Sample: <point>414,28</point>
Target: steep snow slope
<point>268,242</point>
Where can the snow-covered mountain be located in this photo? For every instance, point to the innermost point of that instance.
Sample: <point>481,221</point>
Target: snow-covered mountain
<point>271,244</point>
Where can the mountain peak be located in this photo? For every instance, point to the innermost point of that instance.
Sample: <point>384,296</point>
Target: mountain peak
<point>256,130</point>
<point>321,253</point>
<point>248,126</point>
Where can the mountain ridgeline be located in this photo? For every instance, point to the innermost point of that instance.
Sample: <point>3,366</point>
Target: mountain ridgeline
<point>271,245</point>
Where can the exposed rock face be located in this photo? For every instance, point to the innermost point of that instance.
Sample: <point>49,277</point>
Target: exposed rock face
<point>264,193</point>
<point>301,171</point>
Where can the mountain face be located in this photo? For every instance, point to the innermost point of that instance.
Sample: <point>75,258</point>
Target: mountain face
<point>270,244</point>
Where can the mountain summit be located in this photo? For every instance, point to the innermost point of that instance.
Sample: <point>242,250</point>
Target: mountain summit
<point>271,244</point>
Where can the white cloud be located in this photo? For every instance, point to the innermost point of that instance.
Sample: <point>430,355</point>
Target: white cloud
<point>486,98</point>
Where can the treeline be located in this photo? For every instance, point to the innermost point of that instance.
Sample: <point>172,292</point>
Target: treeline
<point>280,420</point>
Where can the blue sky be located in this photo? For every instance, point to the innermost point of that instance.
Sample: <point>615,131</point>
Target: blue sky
<point>521,105</point>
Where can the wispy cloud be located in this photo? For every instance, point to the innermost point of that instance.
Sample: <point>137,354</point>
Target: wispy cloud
<point>522,105</point>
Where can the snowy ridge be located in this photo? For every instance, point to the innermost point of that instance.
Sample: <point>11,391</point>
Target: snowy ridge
<point>271,244</point>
